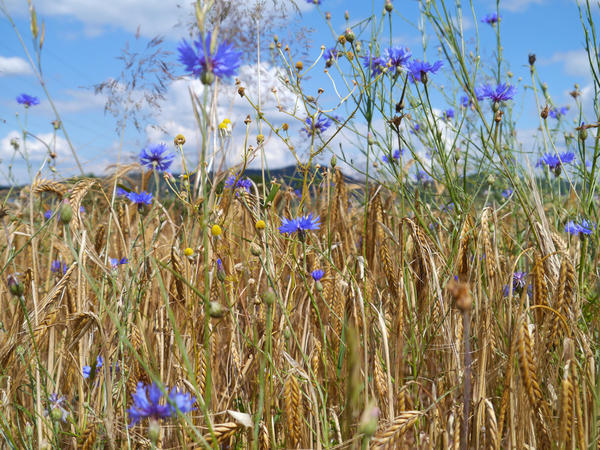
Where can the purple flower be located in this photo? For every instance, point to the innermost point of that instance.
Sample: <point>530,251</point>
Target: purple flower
<point>300,224</point>
<point>56,403</point>
<point>448,208</point>
<point>317,126</point>
<point>157,157</point>
<point>490,19</point>
<point>418,70</point>
<point>140,199</point>
<point>584,228</point>
<point>241,183</point>
<point>180,402</point>
<point>28,100</point>
<point>395,156</point>
<point>87,370</point>
<point>317,274</point>
<point>518,283</point>
<point>58,267</point>
<point>465,101</point>
<point>115,262</point>
<point>501,93</point>
<point>449,113</point>
<point>557,113</point>
<point>415,129</point>
<point>555,162</point>
<point>146,404</point>
<point>375,64</point>
<point>398,57</point>
<point>423,177</point>
<point>314,2</point>
<point>48,214</point>
<point>223,63</point>
<point>506,193</point>
<point>330,55</point>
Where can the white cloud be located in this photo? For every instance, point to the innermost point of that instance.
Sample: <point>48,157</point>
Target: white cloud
<point>13,65</point>
<point>164,17</point>
<point>79,100</point>
<point>152,16</point>
<point>575,62</point>
<point>36,150</point>
<point>176,116</point>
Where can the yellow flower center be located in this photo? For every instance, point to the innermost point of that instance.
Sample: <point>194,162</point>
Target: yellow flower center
<point>216,230</point>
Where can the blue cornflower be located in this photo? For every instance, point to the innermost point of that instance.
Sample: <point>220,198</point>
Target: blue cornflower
<point>518,283</point>
<point>398,57</point>
<point>140,199</point>
<point>300,224</point>
<point>490,19</point>
<point>146,403</point>
<point>48,214</point>
<point>244,183</point>
<point>87,370</point>
<point>556,113</point>
<point>57,267</point>
<point>223,63</point>
<point>507,192</point>
<point>317,274</point>
<point>418,70</point>
<point>116,262</point>
<point>28,100</point>
<point>56,408</point>
<point>423,177</point>
<point>314,2</point>
<point>157,157</point>
<point>466,101</point>
<point>180,402</point>
<point>501,93</point>
<point>415,129</point>
<point>449,113</point>
<point>584,228</point>
<point>448,207</point>
<point>375,64</point>
<point>555,162</point>
<point>395,156</point>
<point>318,126</point>
<point>330,55</point>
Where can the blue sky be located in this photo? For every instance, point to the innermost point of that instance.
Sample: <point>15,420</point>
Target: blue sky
<point>85,37</point>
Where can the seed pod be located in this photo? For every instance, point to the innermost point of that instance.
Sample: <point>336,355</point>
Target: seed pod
<point>66,213</point>
<point>216,310</point>
<point>207,78</point>
<point>349,35</point>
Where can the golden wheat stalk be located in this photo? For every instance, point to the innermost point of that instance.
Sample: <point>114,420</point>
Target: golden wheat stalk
<point>88,437</point>
<point>389,438</point>
<point>222,432</point>
<point>380,381</point>
<point>564,297</point>
<point>293,411</point>
<point>41,185</point>
<point>540,288</point>
<point>491,428</point>
<point>567,397</point>
<point>530,382</point>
